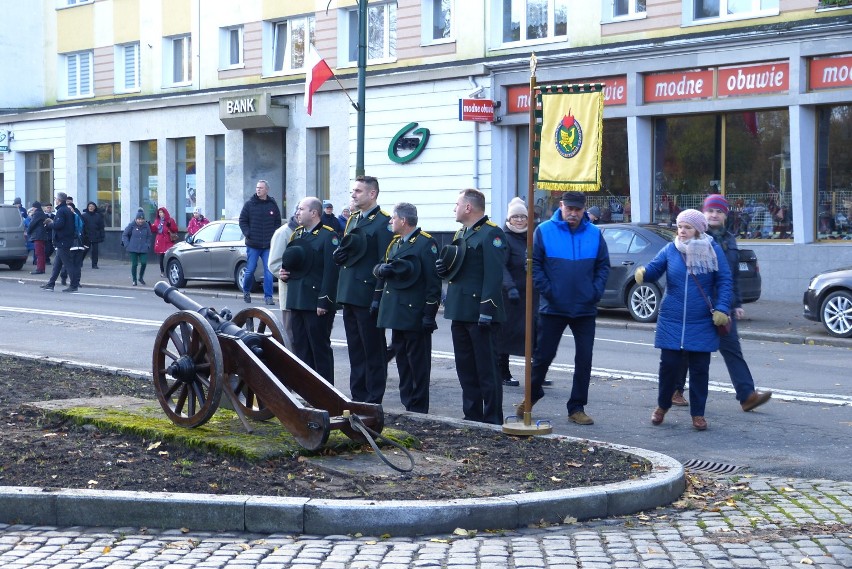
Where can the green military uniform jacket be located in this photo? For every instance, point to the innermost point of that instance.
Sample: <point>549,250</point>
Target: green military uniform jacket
<point>478,286</point>
<point>356,282</point>
<point>317,289</point>
<point>403,305</point>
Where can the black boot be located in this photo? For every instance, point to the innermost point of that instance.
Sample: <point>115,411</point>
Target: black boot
<point>505,373</point>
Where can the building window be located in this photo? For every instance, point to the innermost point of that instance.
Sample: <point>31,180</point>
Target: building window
<point>834,174</point>
<point>219,178</point>
<point>78,74</point>
<point>103,180</point>
<point>704,11</point>
<point>754,175</point>
<point>231,47</point>
<point>620,10</point>
<point>323,163</point>
<point>149,182</point>
<point>532,20</point>
<point>127,68</point>
<point>381,33</point>
<point>39,177</point>
<point>437,20</point>
<point>177,60</point>
<point>289,40</point>
<point>185,179</point>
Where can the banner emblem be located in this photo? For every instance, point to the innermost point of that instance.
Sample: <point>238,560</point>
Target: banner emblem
<point>569,136</point>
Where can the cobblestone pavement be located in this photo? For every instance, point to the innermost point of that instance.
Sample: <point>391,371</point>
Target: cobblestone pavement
<point>720,522</point>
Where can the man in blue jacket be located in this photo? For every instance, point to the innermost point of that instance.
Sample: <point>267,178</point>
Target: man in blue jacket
<point>259,219</point>
<point>570,268</point>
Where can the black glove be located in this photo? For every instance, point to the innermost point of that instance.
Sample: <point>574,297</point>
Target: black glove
<point>382,271</point>
<point>340,256</point>
<point>514,296</point>
<point>429,324</point>
<point>374,308</point>
<point>484,321</point>
<point>440,269</point>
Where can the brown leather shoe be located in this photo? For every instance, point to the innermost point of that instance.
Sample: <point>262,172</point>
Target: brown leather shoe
<point>700,423</point>
<point>580,418</point>
<point>756,399</point>
<point>658,415</point>
<point>677,399</point>
<point>519,410</point>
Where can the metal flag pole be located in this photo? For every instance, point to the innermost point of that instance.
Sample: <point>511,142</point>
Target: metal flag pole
<point>527,427</point>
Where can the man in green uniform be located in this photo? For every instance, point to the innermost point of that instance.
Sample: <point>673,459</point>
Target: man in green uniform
<point>409,291</point>
<point>475,301</point>
<point>311,278</point>
<point>365,242</point>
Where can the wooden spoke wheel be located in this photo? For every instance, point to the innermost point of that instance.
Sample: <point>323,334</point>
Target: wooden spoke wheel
<point>260,321</point>
<point>188,369</point>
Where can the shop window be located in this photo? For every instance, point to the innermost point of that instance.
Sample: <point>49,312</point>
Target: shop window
<point>185,179</point>
<point>78,74</point>
<point>436,20</point>
<point>231,47</point>
<point>288,42</point>
<point>127,68</point>
<point>531,20</point>
<point>219,178</point>
<point>381,34</point>
<point>620,10</point>
<point>103,180</point>
<point>323,163</point>
<point>39,177</point>
<point>614,197</point>
<point>834,174</point>
<point>177,61</point>
<point>149,182</point>
<point>744,156</point>
<point>707,11</point>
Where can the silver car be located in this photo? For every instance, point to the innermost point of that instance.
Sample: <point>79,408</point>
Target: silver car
<point>217,252</point>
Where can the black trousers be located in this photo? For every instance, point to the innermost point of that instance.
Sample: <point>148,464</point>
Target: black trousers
<point>93,249</point>
<point>70,261</point>
<point>476,366</point>
<point>368,368</point>
<point>414,363</point>
<point>312,341</point>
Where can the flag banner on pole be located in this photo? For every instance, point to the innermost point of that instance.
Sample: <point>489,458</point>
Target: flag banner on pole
<point>317,72</point>
<point>570,137</point>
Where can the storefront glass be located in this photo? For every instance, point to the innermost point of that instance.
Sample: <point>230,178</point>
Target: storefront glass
<point>185,183</point>
<point>219,205</point>
<point>103,180</point>
<point>744,156</point>
<point>834,173</point>
<point>148,180</point>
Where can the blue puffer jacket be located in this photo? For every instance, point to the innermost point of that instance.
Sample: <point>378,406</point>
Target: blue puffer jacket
<point>685,321</point>
<point>570,268</point>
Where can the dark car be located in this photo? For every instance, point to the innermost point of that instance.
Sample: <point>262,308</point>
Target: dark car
<point>217,252</point>
<point>634,245</point>
<point>829,300</point>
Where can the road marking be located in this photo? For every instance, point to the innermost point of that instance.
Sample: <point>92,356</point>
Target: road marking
<point>77,315</point>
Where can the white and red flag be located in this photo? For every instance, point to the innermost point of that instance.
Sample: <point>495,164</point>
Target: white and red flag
<point>317,73</point>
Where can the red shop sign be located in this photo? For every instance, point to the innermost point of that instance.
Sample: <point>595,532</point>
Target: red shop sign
<point>830,72</point>
<point>615,93</point>
<point>679,86</point>
<point>754,79</point>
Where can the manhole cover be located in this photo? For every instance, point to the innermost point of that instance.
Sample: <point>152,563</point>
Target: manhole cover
<point>709,466</point>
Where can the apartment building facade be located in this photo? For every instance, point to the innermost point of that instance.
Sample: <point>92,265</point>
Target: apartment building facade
<point>186,104</point>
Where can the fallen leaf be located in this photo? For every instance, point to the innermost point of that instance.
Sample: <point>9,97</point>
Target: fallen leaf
<point>152,446</point>
<point>555,479</point>
<point>106,549</point>
<point>569,520</point>
<point>92,482</point>
<point>436,540</point>
<point>461,531</point>
<point>574,464</point>
<point>806,561</point>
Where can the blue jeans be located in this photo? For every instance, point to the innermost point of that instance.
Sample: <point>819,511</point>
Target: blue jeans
<point>253,255</point>
<point>550,328</point>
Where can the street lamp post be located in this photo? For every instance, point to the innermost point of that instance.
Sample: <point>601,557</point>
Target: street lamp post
<point>362,81</point>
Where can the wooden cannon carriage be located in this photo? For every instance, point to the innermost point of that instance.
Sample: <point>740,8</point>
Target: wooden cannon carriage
<point>200,354</point>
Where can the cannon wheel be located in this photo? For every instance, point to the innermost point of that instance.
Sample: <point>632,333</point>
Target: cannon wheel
<point>261,321</point>
<point>188,369</point>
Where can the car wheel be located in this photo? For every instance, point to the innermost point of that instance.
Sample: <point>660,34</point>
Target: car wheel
<point>239,275</point>
<point>643,302</point>
<point>836,314</point>
<point>174,272</point>
<point>16,265</point>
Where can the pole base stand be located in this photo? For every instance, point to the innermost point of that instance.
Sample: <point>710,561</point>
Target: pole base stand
<point>526,428</point>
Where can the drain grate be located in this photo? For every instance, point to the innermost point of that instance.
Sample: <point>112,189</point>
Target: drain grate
<point>712,467</point>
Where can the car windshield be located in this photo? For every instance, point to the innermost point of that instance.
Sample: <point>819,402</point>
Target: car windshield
<point>665,232</point>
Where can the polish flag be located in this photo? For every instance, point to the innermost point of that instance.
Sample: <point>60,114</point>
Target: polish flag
<point>318,72</point>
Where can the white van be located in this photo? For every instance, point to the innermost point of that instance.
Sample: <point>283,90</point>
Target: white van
<point>13,241</point>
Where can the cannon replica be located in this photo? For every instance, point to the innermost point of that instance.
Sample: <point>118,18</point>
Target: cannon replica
<point>199,354</point>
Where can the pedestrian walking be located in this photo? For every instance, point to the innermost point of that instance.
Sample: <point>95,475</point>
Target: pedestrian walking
<point>697,273</point>
<point>64,240</point>
<point>570,266</point>
<point>94,231</point>
<point>473,268</point>
<point>408,292</point>
<point>136,240</point>
<point>364,243</point>
<point>165,229</point>
<point>39,235</point>
<point>259,219</point>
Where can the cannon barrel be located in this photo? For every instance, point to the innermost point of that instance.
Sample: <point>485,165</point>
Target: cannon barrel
<point>176,298</point>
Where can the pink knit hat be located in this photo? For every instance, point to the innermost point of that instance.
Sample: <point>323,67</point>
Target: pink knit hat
<point>694,218</point>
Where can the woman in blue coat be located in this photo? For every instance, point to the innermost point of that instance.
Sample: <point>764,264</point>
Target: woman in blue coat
<point>695,267</point>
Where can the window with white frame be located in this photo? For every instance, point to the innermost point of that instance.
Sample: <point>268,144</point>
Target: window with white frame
<point>127,68</point>
<point>289,40</point>
<point>627,8</point>
<point>177,60</point>
<point>702,11</point>
<point>437,20</point>
<point>381,33</point>
<point>78,74</point>
<point>532,20</point>
<point>230,47</point>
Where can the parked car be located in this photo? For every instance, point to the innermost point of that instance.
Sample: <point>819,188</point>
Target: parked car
<point>217,252</point>
<point>829,300</point>
<point>13,242</point>
<point>634,245</point>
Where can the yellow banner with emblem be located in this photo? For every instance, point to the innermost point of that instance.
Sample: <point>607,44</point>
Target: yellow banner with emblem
<point>570,138</point>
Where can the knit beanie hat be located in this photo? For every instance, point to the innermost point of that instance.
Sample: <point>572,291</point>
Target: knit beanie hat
<point>694,218</point>
<point>717,201</point>
<point>140,214</point>
<point>516,207</point>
